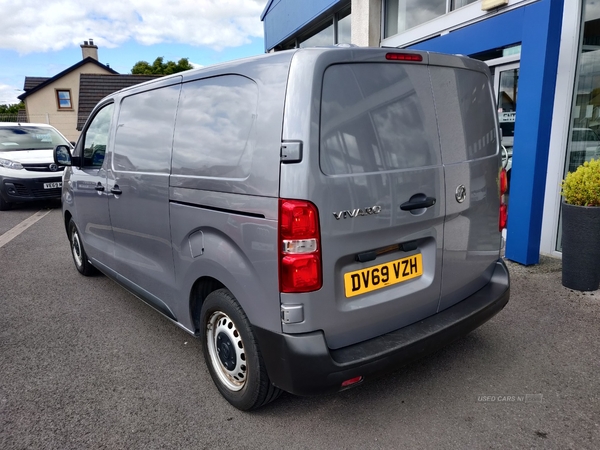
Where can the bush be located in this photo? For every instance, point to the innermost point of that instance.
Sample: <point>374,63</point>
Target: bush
<point>582,187</point>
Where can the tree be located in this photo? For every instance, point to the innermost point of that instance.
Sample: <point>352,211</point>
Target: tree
<point>8,113</point>
<point>158,67</point>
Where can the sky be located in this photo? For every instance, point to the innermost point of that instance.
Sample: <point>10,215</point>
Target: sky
<point>41,38</point>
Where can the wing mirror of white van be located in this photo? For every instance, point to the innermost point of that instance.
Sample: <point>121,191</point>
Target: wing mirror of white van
<point>62,156</point>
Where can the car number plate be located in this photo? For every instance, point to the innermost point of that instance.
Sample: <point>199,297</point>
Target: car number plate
<point>54,185</point>
<point>377,277</point>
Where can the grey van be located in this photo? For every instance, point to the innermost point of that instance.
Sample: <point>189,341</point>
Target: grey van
<point>315,216</point>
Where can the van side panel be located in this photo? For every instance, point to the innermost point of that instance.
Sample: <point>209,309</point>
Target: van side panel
<point>225,183</point>
<point>232,238</point>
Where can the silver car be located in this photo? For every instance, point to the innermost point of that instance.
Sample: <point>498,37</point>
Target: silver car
<point>315,216</point>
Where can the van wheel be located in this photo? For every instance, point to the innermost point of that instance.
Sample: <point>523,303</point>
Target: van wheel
<point>79,256</point>
<point>232,354</point>
<point>4,205</point>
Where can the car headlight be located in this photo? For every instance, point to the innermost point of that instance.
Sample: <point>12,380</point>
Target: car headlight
<point>10,164</point>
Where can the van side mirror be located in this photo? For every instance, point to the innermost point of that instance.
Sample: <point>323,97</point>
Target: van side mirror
<point>62,156</point>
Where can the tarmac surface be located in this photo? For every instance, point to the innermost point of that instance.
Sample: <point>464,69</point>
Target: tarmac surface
<point>85,365</point>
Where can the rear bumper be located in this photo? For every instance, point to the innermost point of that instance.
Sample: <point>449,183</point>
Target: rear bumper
<point>303,365</point>
<point>28,189</point>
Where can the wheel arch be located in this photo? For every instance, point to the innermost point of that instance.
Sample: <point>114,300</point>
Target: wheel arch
<point>67,218</point>
<point>201,289</point>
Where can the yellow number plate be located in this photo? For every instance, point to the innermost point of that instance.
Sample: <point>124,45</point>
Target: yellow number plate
<point>377,277</point>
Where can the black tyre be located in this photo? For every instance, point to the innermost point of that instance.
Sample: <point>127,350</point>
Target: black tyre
<point>4,205</point>
<point>79,256</point>
<point>232,354</point>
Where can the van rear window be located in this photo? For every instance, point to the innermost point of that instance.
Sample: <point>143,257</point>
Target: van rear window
<point>377,117</point>
<point>466,113</point>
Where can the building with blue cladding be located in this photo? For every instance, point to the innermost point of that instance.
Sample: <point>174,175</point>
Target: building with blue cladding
<point>544,56</point>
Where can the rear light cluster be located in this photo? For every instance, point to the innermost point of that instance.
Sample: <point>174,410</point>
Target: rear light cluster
<point>503,206</point>
<point>300,247</point>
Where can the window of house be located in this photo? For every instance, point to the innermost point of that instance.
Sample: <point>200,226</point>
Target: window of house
<point>402,15</point>
<point>63,99</point>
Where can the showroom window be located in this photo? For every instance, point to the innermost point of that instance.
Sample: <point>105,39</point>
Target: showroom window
<point>402,15</point>
<point>335,29</point>
<point>584,143</point>
<point>584,130</point>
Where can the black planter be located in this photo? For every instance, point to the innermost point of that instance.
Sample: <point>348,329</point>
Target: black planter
<point>581,247</point>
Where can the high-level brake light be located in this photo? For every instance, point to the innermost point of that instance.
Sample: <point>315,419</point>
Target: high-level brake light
<point>414,57</point>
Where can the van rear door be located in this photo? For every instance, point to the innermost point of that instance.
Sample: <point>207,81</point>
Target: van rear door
<point>372,165</point>
<point>470,153</point>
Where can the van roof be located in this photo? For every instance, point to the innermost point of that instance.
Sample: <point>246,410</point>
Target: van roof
<point>241,66</point>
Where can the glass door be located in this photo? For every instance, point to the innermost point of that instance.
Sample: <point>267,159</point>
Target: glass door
<point>506,86</point>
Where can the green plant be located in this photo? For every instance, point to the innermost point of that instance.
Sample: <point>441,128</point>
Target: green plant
<point>582,187</point>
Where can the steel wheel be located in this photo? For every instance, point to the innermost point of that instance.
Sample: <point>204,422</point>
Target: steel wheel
<point>226,351</point>
<point>76,249</point>
<point>232,354</point>
<point>79,256</point>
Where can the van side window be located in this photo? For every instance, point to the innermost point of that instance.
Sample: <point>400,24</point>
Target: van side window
<point>213,128</point>
<point>376,117</point>
<point>96,138</point>
<point>144,136</point>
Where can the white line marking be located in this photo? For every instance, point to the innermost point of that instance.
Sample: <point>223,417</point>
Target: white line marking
<point>18,229</point>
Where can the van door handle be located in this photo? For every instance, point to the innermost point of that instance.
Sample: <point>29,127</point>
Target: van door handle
<point>418,201</point>
<point>115,190</point>
<point>99,187</point>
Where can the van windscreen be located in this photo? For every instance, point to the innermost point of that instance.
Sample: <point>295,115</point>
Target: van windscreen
<point>377,117</point>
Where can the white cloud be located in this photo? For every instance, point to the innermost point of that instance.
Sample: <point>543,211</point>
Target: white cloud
<point>50,25</point>
<point>8,94</point>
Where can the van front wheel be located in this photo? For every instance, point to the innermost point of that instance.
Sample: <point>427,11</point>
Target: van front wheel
<point>232,354</point>
<point>79,256</point>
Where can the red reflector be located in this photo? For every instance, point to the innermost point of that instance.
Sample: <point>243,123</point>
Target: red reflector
<point>352,381</point>
<point>503,217</point>
<point>403,57</point>
<point>503,182</point>
<point>301,273</point>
